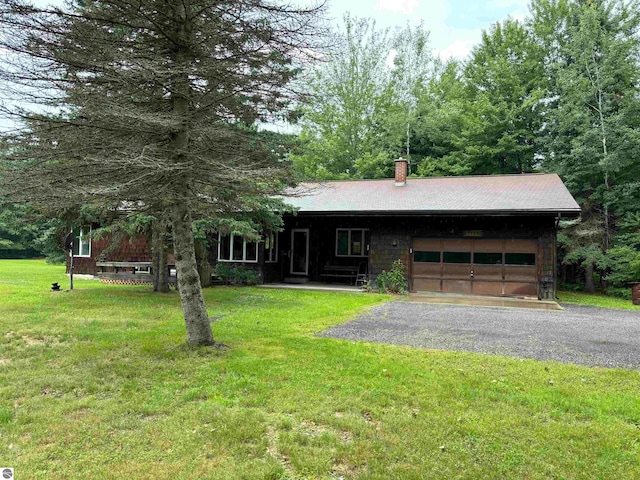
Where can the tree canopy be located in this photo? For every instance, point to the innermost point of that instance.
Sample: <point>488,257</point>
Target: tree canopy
<point>148,106</point>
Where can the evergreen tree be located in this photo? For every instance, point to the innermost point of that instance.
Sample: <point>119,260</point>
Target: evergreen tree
<point>141,104</point>
<point>591,134</point>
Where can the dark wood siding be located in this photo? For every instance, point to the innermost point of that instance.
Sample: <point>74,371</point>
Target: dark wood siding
<point>391,238</point>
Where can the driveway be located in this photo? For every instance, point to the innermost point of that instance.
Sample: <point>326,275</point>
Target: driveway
<point>584,335</point>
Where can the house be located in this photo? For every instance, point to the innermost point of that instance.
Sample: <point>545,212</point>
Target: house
<point>484,235</point>
<point>128,261</point>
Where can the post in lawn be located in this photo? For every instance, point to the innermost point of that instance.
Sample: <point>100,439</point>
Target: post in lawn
<point>68,246</point>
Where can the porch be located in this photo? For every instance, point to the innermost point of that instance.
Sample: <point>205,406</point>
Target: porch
<point>314,286</point>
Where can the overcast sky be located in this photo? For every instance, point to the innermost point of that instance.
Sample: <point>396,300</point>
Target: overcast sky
<point>455,25</point>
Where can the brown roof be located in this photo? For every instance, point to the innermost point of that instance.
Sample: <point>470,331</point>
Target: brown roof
<point>489,194</point>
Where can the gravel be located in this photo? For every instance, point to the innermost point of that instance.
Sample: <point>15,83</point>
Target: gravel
<point>583,335</point>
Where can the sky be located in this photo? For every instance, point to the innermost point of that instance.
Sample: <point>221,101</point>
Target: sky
<point>455,25</point>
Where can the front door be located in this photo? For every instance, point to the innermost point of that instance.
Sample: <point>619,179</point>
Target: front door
<point>300,251</point>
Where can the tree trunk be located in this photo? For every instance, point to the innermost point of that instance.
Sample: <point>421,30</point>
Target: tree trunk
<point>159,256</point>
<point>589,285</point>
<point>195,313</point>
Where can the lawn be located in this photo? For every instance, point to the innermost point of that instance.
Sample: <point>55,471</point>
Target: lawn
<point>98,384</point>
<point>596,300</point>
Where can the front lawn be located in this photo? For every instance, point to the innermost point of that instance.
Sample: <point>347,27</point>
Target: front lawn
<point>595,300</point>
<point>98,384</point>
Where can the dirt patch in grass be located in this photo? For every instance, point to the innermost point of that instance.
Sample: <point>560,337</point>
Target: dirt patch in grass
<point>34,341</point>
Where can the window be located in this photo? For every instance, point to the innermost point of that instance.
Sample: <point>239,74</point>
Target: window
<point>234,248</point>
<point>82,243</point>
<point>426,257</point>
<point>350,242</point>
<point>456,257</point>
<point>487,258</point>
<point>271,247</point>
<point>520,258</point>
<point>146,270</point>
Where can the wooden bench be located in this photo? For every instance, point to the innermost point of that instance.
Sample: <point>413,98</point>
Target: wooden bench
<point>339,271</point>
<point>125,271</point>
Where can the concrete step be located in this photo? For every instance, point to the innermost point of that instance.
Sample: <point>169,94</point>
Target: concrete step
<point>483,301</point>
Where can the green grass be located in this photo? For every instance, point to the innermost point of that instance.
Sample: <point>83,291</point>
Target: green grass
<point>596,300</point>
<point>98,384</point>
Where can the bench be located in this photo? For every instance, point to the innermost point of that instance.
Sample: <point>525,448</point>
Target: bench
<point>339,271</point>
<point>126,272</point>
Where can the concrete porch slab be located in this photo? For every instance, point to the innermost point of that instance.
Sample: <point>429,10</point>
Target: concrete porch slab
<point>321,287</point>
<point>483,301</point>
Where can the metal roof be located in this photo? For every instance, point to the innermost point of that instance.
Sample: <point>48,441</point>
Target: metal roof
<point>486,194</point>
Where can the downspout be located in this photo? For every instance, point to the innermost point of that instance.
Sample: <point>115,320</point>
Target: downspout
<point>555,257</point>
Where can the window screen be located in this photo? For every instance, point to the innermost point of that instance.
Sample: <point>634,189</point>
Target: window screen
<point>237,248</point>
<point>252,252</point>
<point>343,242</point>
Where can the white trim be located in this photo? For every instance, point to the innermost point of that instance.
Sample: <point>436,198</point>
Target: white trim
<point>306,271</point>
<point>364,231</point>
<point>244,250</point>
<point>80,236</point>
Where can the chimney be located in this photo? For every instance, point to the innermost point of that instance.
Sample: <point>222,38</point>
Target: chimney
<point>401,172</point>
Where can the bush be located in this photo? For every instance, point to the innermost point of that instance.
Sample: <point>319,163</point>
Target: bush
<point>394,280</point>
<point>225,272</point>
<point>619,292</point>
<point>246,276</point>
<point>240,275</point>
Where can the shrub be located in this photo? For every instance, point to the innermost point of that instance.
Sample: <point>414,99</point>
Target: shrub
<point>394,280</point>
<point>225,272</point>
<point>619,292</point>
<point>231,274</point>
<point>246,276</point>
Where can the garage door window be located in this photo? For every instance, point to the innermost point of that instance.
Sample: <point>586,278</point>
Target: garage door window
<point>426,257</point>
<point>457,257</point>
<point>520,258</point>
<point>487,258</point>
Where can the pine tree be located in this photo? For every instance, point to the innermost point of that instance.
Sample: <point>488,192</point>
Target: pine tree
<point>142,104</point>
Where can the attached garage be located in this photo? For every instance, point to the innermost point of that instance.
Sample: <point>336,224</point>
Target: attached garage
<point>475,266</point>
<point>478,235</point>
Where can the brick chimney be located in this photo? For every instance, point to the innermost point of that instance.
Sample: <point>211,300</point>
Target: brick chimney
<point>401,172</point>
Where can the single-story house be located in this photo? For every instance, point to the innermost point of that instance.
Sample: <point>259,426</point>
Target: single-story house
<point>484,235</point>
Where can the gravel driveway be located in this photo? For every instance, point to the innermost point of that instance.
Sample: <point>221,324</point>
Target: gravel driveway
<point>585,335</point>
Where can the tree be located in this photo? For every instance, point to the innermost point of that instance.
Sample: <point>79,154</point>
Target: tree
<point>443,118</point>
<point>143,105</point>
<point>363,101</point>
<point>505,77</point>
<point>591,130</point>
<point>17,235</point>
<point>346,91</point>
<point>413,67</point>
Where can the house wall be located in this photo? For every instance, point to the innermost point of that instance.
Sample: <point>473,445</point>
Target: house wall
<point>127,249</point>
<point>391,238</point>
<point>258,267</point>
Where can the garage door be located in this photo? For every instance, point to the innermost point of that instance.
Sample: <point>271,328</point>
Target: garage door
<point>475,266</point>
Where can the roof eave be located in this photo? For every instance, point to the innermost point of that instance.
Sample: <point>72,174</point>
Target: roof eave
<point>564,213</point>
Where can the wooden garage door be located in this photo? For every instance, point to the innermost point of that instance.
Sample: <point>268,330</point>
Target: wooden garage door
<point>475,266</point>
